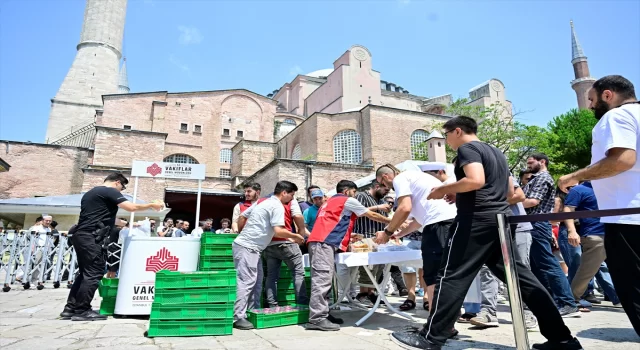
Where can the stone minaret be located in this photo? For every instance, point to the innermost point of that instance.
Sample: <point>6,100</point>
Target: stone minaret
<point>95,69</point>
<point>123,82</point>
<point>583,81</point>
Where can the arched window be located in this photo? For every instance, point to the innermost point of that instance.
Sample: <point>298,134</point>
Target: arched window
<point>180,158</point>
<point>297,152</point>
<point>418,149</point>
<point>290,121</point>
<point>225,155</point>
<point>347,148</point>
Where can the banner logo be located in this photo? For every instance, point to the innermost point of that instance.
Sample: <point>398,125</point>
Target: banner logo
<point>154,169</point>
<point>163,260</point>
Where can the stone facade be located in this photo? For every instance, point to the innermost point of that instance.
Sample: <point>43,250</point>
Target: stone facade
<point>41,170</point>
<point>304,173</point>
<point>94,71</point>
<point>251,156</point>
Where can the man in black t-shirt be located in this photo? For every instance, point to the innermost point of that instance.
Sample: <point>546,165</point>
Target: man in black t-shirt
<point>480,194</point>
<point>98,210</point>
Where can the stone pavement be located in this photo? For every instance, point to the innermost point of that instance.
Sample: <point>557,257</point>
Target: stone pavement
<point>29,320</point>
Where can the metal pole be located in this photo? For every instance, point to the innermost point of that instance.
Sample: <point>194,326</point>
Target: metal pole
<point>517,314</point>
<point>135,194</point>
<point>197,223</point>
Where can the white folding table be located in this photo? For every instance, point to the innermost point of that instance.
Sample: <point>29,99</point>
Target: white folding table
<point>408,257</point>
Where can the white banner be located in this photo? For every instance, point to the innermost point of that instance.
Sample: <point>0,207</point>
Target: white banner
<point>168,170</point>
<point>141,258</point>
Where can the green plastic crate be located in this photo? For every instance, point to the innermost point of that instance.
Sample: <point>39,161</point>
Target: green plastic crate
<point>286,284</point>
<point>285,273</point>
<point>216,250</point>
<point>213,238</point>
<point>108,287</point>
<point>184,328</point>
<point>283,298</point>
<point>187,280</point>
<point>215,262</point>
<point>194,296</point>
<point>290,318</point>
<point>107,306</point>
<point>191,311</point>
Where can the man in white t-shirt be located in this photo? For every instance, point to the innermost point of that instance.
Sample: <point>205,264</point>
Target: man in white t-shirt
<point>436,216</point>
<point>41,239</point>
<point>615,176</point>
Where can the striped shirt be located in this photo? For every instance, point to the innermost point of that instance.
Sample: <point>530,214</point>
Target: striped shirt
<point>542,188</point>
<point>364,225</point>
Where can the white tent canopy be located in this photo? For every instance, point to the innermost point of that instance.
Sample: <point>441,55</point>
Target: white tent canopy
<point>407,165</point>
<point>64,205</point>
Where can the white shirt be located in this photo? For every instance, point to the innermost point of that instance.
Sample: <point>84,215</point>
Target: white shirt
<point>42,238</point>
<point>618,128</point>
<point>197,232</point>
<point>261,219</point>
<point>418,185</point>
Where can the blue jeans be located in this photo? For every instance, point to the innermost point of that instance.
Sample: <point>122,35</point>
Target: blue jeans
<point>545,266</point>
<point>571,256</point>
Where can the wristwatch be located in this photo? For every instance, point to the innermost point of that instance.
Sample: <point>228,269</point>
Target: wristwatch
<point>389,233</point>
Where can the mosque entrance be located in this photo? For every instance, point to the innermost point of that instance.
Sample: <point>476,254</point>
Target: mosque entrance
<point>216,205</point>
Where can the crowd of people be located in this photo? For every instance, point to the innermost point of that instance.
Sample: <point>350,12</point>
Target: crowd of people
<point>453,221</point>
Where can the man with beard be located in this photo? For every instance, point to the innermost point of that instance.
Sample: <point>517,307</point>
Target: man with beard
<point>540,199</point>
<point>615,176</point>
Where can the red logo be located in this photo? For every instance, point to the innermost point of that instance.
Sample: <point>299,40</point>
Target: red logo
<point>154,169</point>
<point>163,260</point>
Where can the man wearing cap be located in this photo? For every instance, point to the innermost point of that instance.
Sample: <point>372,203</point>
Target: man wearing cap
<point>439,171</point>
<point>310,214</point>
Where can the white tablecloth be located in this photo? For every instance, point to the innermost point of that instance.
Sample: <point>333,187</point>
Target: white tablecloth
<point>408,257</point>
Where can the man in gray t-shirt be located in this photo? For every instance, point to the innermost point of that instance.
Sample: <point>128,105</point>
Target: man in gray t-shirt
<point>257,226</point>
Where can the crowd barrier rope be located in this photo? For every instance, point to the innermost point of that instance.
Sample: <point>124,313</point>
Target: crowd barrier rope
<point>511,274</point>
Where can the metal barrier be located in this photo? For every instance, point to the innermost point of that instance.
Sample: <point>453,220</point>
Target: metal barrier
<point>506,244</point>
<point>35,258</point>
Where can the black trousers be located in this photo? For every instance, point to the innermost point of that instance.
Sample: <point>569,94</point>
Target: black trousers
<point>91,264</point>
<point>473,242</point>
<point>622,244</point>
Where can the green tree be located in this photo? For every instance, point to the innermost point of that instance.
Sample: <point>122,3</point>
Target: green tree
<point>571,136</point>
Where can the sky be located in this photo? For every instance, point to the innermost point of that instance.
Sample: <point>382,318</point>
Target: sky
<point>430,48</point>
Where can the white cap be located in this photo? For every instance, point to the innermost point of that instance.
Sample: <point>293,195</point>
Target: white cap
<point>433,166</point>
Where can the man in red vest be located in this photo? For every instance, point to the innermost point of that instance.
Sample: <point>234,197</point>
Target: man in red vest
<point>251,195</point>
<point>331,234</point>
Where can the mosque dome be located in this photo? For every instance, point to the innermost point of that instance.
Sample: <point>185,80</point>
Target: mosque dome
<point>320,73</point>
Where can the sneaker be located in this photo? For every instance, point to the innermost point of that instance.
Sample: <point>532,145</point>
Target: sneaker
<point>403,293</point>
<point>336,320</point>
<point>413,340</point>
<point>67,313</point>
<point>569,311</point>
<point>501,299</point>
<point>243,324</point>
<point>363,299</point>
<point>617,305</point>
<point>592,299</point>
<point>485,319</point>
<point>530,321</point>
<point>324,325</point>
<point>89,315</point>
<point>572,344</point>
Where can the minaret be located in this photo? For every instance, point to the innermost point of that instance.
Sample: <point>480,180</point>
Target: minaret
<point>94,71</point>
<point>583,81</point>
<point>123,81</point>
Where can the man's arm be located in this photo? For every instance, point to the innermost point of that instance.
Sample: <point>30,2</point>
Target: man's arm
<point>574,238</point>
<point>473,180</point>
<point>377,217</point>
<point>517,197</point>
<point>301,227</point>
<point>617,160</point>
<point>537,191</point>
<point>234,219</point>
<point>242,220</point>
<point>281,232</point>
<point>401,214</point>
<point>133,207</point>
<point>412,227</point>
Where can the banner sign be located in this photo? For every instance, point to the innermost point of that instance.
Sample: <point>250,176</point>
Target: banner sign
<point>168,170</point>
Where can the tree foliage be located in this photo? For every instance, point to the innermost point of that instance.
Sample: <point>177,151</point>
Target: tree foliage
<point>571,136</point>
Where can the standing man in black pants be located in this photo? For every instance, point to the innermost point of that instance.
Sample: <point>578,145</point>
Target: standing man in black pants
<point>615,175</point>
<point>480,194</point>
<point>98,210</point>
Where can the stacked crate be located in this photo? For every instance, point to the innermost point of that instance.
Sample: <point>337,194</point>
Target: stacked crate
<point>216,252</point>
<point>286,289</point>
<point>193,303</point>
<point>108,290</point>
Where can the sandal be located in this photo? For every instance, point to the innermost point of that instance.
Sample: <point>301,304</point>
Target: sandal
<point>425,305</point>
<point>466,317</point>
<point>408,305</point>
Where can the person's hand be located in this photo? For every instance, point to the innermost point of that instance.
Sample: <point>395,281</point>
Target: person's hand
<point>554,242</point>
<point>574,239</point>
<point>450,198</point>
<point>297,239</point>
<point>384,208</point>
<point>436,193</point>
<point>157,205</point>
<point>381,237</point>
<point>566,181</point>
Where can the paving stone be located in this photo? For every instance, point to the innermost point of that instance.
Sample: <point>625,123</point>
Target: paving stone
<point>6,341</point>
<point>189,343</point>
<point>121,330</point>
<point>36,343</point>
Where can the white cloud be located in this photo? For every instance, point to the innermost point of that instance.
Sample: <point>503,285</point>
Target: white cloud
<point>190,35</point>
<point>183,67</point>
<point>295,70</point>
